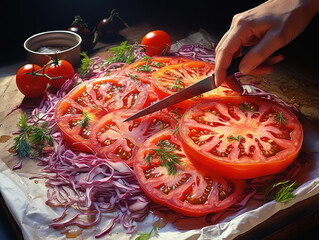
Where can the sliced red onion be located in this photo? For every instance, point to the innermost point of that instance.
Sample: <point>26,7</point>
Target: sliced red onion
<point>196,51</point>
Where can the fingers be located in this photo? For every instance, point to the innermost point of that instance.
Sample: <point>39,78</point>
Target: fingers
<point>260,52</point>
<point>267,66</point>
<point>225,50</point>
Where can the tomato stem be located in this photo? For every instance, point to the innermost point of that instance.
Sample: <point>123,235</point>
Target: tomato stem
<point>55,61</point>
<point>79,22</point>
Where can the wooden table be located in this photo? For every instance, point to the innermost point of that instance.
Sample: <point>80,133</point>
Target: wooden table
<point>293,81</point>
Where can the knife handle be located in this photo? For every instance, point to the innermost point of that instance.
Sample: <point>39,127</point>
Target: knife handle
<point>234,65</point>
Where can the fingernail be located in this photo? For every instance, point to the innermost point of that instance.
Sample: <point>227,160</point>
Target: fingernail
<point>245,68</point>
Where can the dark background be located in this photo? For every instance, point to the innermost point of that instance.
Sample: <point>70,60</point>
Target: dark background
<point>20,19</point>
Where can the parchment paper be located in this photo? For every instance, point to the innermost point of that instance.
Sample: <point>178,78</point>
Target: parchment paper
<point>26,198</point>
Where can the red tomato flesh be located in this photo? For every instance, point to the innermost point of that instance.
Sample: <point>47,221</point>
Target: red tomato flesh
<point>241,137</point>
<point>94,99</point>
<point>171,79</point>
<point>112,138</point>
<point>188,191</point>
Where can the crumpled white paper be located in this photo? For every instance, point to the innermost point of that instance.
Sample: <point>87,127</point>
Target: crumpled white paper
<point>26,198</point>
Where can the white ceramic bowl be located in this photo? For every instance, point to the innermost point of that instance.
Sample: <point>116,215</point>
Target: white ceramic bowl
<point>42,46</point>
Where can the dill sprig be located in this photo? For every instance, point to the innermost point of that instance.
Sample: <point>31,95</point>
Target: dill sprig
<point>146,67</point>
<point>280,119</point>
<point>178,84</point>
<point>32,138</point>
<point>281,191</point>
<point>166,154</point>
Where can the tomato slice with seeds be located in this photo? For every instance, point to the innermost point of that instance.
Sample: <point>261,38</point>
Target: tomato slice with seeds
<point>174,78</point>
<point>187,191</point>
<point>77,112</point>
<point>117,140</point>
<point>241,137</point>
<point>143,70</point>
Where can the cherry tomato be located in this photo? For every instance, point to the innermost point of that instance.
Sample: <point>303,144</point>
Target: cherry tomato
<point>114,139</point>
<point>77,112</point>
<point>241,137</point>
<point>186,191</point>
<point>29,83</point>
<point>155,42</point>
<point>60,71</point>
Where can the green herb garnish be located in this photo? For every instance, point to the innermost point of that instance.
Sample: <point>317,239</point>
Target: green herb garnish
<point>281,192</point>
<point>146,67</point>
<point>85,121</point>
<point>32,138</point>
<point>248,107</point>
<point>85,64</point>
<point>157,64</point>
<point>147,236</point>
<point>123,53</point>
<point>232,138</point>
<point>178,84</point>
<point>168,158</point>
<point>134,77</point>
<point>280,119</point>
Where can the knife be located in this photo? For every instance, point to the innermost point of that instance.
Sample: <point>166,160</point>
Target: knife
<point>202,86</point>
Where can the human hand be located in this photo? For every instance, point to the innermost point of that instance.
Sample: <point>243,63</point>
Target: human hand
<point>268,27</point>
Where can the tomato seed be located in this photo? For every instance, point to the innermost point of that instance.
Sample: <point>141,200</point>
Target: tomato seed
<point>223,192</point>
<point>202,199</point>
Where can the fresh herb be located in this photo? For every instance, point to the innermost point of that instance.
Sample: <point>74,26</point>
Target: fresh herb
<point>123,53</point>
<point>134,77</point>
<point>168,158</point>
<point>248,107</point>
<point>178,84</point>
<point>147,236</point>
<point>146,67</point>
<point>280,119</point>
<point>281,192</point>
<point>175,131</point>
<point>157,64</point>
<point>32,138</point>
<point>85,64</point>
<point>85,121</point>
<point>232,138</point>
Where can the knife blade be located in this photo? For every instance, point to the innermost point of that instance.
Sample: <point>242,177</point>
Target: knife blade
<point>202,86</point>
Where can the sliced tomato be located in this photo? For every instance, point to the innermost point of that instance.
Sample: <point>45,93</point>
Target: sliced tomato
<point>112,138</point>
<point>143,70</point>
<point>187,190</point>
<point>77,112</point>
<point>174,78</point>
<point>241,137</point>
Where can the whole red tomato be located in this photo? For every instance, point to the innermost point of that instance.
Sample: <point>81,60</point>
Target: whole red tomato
<point>59,71</point>
<point>156,43</point>
<point>29,82</point>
